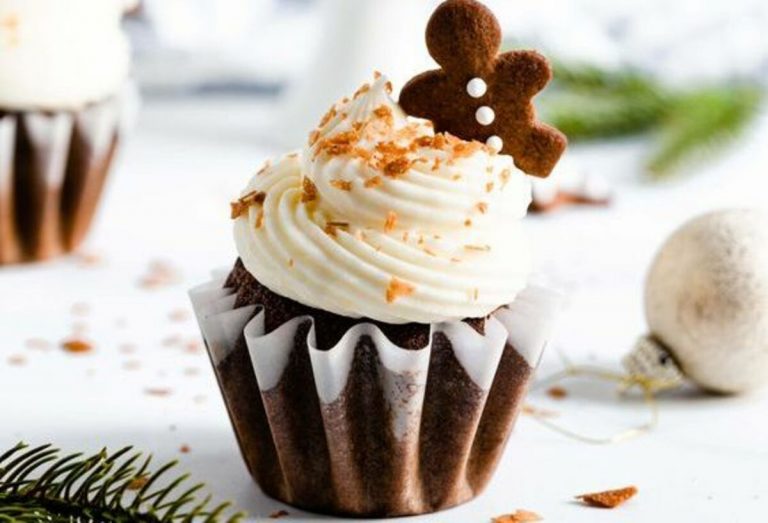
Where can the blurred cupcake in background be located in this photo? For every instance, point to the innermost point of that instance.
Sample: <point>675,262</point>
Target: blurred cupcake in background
<point>64,95</point>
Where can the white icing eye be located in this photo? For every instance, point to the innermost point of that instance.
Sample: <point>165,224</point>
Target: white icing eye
<point>476,87</point>
<point>495,143</point>
<point>485,115</point>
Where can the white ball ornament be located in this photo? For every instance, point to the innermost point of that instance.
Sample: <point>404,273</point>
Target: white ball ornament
<point>476,88</point>
<point>485,115</point>
<point>706,303</point>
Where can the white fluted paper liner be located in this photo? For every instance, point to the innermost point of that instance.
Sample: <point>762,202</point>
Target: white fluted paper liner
<point>526,324</point>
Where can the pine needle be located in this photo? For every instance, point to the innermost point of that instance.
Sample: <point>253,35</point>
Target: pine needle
<point>700,123</point>
<point>39,485</point>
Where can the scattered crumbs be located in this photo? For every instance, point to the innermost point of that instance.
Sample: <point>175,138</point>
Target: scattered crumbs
<point>157,391</point>
<point>89,259</point>
<point>332,227</point>
<point>342,185</point>
<point>132,365</point>
<point>159,274</point>
<point>179,315</point>
<point>17,360</point>
<point>138,482</point>
<point>191,371</point>
<point>557,393</point>
<point>467,223</point>
<point>530,410</point>
<point>76,346</point>
<point>264,168</point>
<point>489,187</point>
<point>240,206</point>
<point>309,191</point>
<point>313,137</point>
<point>391,222</point>
<point>278,514</point>
<point>127,348</point>
<point>608,498</point>
<point>38,344</point>
<point>397,167</point>
<point>521,516</point>
<point>398,289</point>
<point>482,207</point>
<point>429,252</point>
<point>371,183</point>
<point>505,175</point>
<point>363,89</point>
<point>184,449</point>
<point>80,309</point>
<point>384,113</point>
<point>172,340</point>
<point>291,263</point>
<point>193,347</point>
<point>259,219</point>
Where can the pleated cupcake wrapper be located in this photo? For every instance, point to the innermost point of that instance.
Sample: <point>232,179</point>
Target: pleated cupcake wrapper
<point>368,428</point>
<point>53,166</point>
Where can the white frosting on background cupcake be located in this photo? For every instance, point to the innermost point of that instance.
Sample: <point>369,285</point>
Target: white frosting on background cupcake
<point>380,218</point>
<point>61,54</point>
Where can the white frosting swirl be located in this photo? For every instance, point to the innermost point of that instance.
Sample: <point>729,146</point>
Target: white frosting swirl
<point>380,218</point>
<point>61,54</point>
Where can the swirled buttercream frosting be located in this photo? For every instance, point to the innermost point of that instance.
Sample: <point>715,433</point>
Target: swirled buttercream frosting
<point>379,217</point>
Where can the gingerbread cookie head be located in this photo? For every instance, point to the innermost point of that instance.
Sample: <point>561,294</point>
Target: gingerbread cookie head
<point>480,94</point>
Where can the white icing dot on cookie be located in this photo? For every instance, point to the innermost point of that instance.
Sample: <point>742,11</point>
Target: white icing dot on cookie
<point>495,143</point>
<point>485,115</point>
<point>477,87</point>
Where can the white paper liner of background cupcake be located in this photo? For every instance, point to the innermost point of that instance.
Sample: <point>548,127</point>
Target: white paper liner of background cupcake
<point>53,165</point>
<point>368,428</point>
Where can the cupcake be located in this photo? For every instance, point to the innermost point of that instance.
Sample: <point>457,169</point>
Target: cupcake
<point>63,96</point>
<point>375,339</point>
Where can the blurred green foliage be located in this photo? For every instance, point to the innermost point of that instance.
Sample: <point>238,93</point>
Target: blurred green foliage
<point>587,103</point>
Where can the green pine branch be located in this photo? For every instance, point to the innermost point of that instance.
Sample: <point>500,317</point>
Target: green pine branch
<point>42,485</point>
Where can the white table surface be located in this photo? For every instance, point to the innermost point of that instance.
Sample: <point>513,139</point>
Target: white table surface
<point>707,461</point>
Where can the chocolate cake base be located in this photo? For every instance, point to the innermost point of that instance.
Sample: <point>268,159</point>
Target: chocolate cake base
<point>352,456</point>
<point>53,166</point>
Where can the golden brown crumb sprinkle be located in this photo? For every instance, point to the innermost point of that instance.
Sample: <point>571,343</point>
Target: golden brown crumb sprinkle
<point>260,219</point>
<point>489,187</point>
<point>482,207</point>
<point>483,248</point>
<point>363,89</point>
<point>370,183</point>
<point>309,191</point>
<point>390,149</point>
<point>313,137</point>
<point>76,346</point>
<point>332,227</point>
<point>240,207</point>
<point>391,221</point>
<point>384,113</point>
<point>521,516</point>
<point>291,263</point>
<point>398,289</point>
<point>338,144</point>
<point>342,185</point>
<point>327,117</point>
<point>505,175</point>
<point>397,167</point>
<point>557,393</point>
<point>608,498</point>
<point>376,74</point>
<point>466,149</point>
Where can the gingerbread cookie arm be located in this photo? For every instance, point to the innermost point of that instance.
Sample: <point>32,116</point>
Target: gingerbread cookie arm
<point>538,151</point>
<point>420,97</point>
<point>521,74</point>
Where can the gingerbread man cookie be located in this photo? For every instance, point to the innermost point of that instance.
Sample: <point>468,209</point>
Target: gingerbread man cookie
<point>480,94</point>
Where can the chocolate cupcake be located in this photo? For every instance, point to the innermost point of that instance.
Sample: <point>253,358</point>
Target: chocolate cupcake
<point>375,340</point>
<point>64,96</point>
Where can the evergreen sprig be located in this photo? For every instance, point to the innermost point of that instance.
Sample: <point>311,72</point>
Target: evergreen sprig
<point>41,485</point>
<point>588,102</point>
